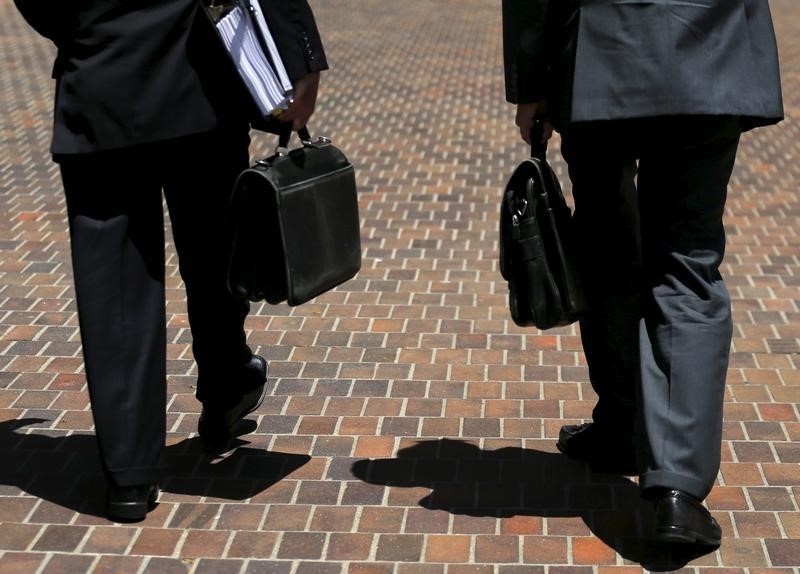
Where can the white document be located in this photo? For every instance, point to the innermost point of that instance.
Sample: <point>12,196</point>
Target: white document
<point>246,35</point>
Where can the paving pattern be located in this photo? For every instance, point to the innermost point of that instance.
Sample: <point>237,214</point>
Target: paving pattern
<point>409,426</point>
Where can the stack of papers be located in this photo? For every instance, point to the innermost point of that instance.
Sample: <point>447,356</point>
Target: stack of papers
<point>245,33</point>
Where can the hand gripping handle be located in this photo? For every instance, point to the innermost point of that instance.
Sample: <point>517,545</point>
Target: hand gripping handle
<point>538,149</point>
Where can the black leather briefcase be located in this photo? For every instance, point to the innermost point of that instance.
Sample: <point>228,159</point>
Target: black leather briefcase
<point>537,246</point>
<point>295,224</point>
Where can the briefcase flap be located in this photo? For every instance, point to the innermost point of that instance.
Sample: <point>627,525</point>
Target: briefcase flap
<point>320,232</point>
<point>297,225</point>
<point>517,203</point>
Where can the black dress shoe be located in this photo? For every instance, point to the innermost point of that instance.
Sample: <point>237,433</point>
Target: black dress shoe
<point>216,425</point>
<point>602,450</point>
<point>131,503</point>
<point>682,518</point>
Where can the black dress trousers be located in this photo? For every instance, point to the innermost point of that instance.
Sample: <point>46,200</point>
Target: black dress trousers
<point>649,200</point>
<point>116,222</point>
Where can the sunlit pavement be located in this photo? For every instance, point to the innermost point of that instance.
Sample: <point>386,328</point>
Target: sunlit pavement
<point>409,426</point>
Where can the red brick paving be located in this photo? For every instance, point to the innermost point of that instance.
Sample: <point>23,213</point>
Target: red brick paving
<point>410,426</point>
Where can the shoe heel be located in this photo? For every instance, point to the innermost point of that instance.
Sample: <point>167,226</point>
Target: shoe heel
<point>131,510</point>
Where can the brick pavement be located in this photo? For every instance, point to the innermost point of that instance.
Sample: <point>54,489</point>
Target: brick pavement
<point>409,426</point>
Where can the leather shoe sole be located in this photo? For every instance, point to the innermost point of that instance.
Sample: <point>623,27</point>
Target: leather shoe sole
<point>681,518</point>
<point>131,503</point>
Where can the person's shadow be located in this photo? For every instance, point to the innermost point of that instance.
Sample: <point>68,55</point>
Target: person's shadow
<point>514,481</point>
<point>65,470</point>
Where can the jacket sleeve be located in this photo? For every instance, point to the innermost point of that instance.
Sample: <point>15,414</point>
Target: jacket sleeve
<point>295,32</point>
<point>527,71</point>
<point>50,18</point>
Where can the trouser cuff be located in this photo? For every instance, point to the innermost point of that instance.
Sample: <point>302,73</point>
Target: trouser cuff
<point>656,479</point>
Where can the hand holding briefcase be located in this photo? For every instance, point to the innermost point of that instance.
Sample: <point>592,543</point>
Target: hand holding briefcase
<point>295,223</point>
<point>536,245</point>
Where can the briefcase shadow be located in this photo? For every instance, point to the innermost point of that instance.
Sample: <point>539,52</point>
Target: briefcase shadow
<point>466,480</point>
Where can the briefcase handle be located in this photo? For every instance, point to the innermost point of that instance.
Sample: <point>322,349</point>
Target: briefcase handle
<point>538,149</point>
<point>285,136</point>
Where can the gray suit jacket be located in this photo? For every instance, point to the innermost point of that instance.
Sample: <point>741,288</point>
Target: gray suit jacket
<point>618,59</point>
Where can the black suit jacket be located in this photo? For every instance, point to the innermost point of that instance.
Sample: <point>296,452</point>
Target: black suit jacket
<point>137,71</point>
<point>616,59</point>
